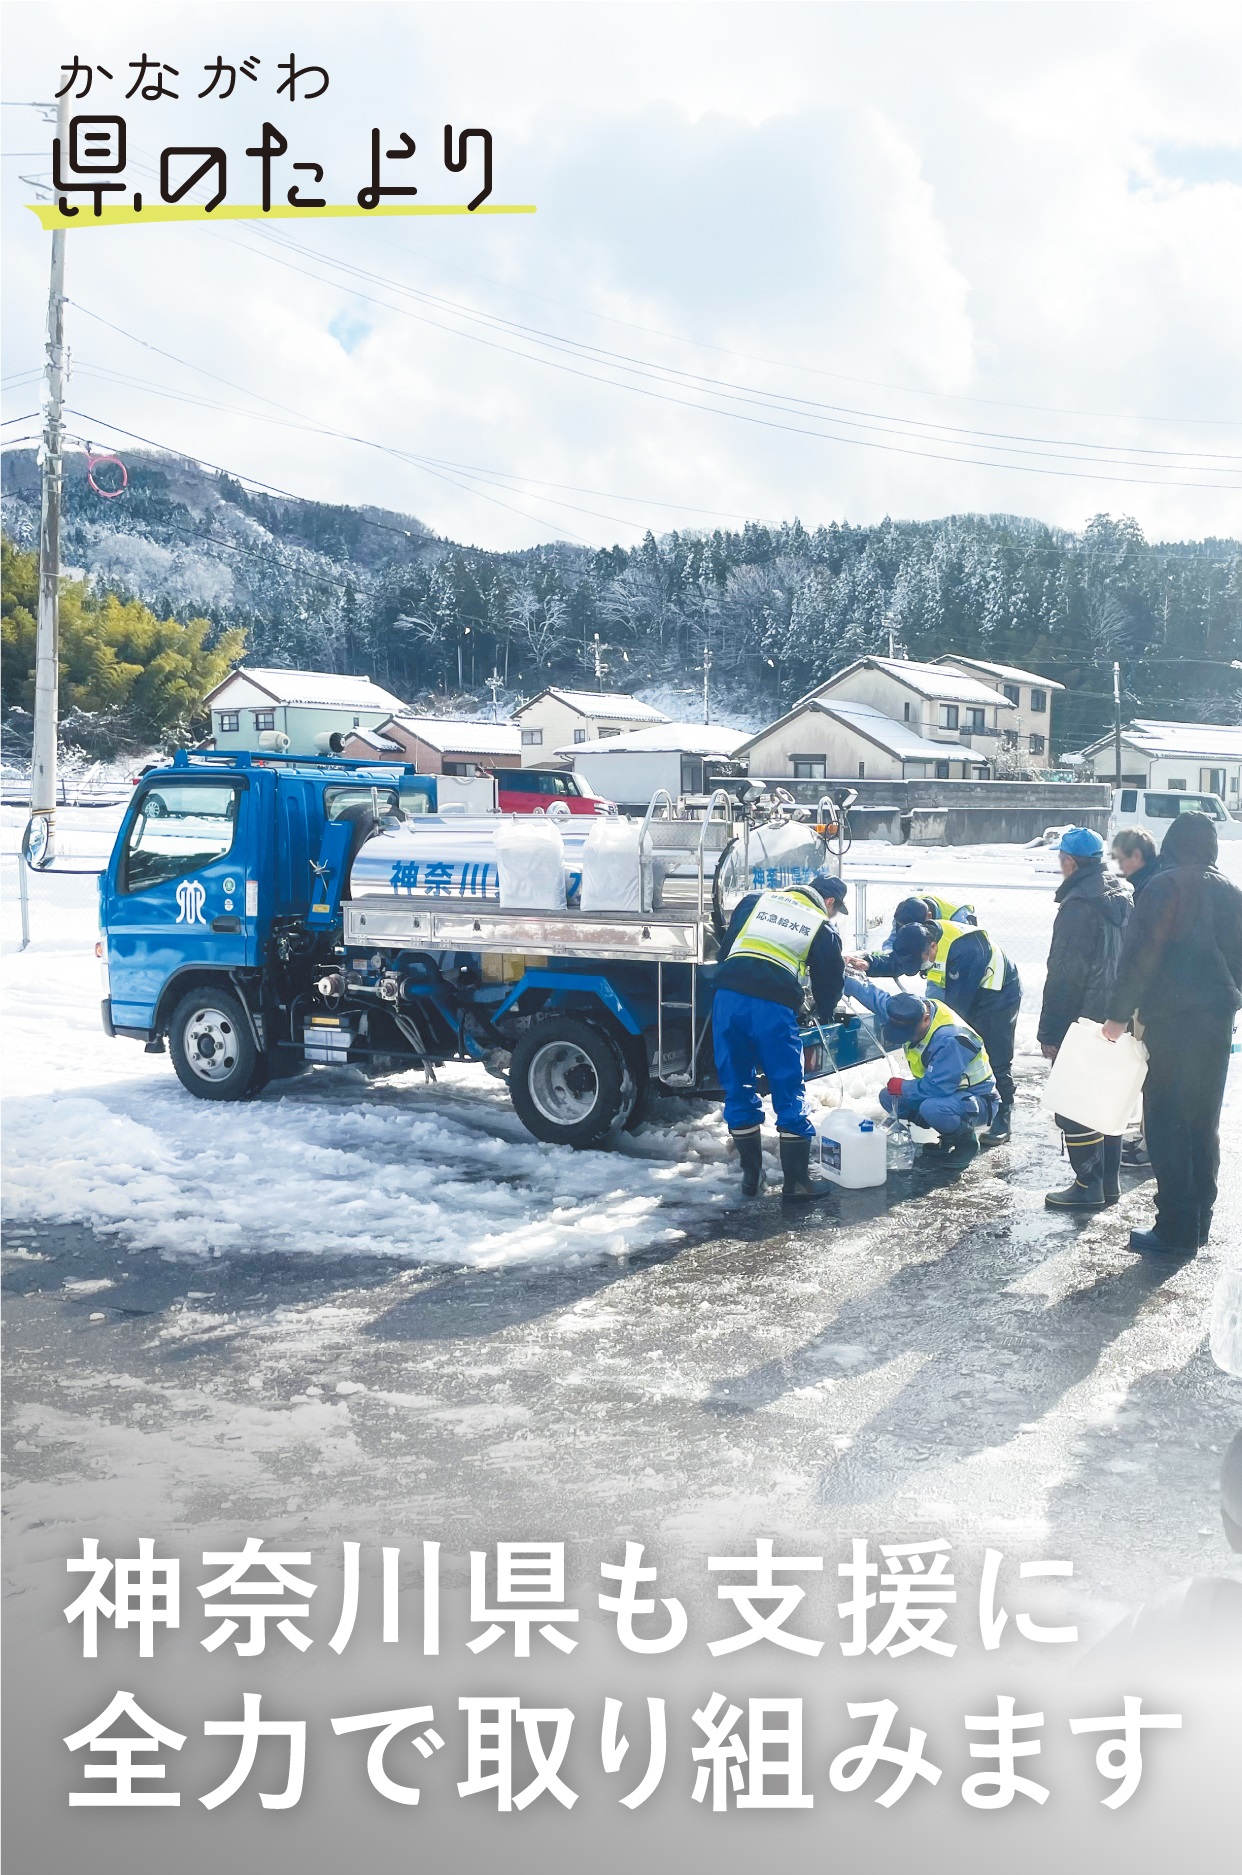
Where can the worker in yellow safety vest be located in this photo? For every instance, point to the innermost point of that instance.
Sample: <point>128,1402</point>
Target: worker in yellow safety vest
<point>950,1086</point>
<point>966,970</point>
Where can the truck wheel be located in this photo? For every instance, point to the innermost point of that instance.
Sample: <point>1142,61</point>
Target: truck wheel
<point>568,1083</point>
<point>212,1047</point>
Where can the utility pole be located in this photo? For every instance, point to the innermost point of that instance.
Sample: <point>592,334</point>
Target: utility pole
<point>707,673</point>
<point>597,651</point>
<point>1117,722</point>
<point>39,842</point>
<point>495,684</point>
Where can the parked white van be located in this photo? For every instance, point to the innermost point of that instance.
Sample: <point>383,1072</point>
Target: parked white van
<point>1156,810</point>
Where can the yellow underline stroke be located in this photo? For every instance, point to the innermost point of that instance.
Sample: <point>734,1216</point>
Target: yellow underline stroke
<point>116,215</point>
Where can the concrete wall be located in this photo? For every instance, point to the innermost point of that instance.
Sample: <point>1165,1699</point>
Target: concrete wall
<point>959,813</point>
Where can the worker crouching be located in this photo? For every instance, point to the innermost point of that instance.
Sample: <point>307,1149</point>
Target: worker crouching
<point>778,945</point>
<point>951,1088</point>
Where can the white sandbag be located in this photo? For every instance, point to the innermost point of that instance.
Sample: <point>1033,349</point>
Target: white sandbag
<point>610,866</point>
<point>1095,1081</point>
<point>530,863</point>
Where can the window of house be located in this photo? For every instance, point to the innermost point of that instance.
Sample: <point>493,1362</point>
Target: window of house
<point>976,721</point>
<point>1009,738</point>
<point>948,715</point>
<point>357,722</point>
<point>809,767</point>
<point>981,772</point>
<point>1036,744</point>
<point>1212,780</point>
<point>1177,784</point>
<point>532,738</point>
<point>1013,694</point>
<point>1233,784</point>
<point>580,735</point>
<point>610,730</point>
<point>1039,701</point>
<point>862,771</point>
<point>906,708</point>
<point>459,768</point>
<point>265,719</point>
<point>229,721</point>
<point>942,771</point>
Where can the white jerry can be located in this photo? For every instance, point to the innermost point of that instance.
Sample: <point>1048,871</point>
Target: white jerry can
<point>1095,1081</point>
<point>852,1151</point>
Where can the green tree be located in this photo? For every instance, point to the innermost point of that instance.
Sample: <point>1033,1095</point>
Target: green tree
<point>143,676</point>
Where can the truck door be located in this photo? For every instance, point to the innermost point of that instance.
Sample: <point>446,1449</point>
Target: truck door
<point>176,892</point>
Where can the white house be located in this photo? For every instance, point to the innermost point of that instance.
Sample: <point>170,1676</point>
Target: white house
<point>825,738</point>
<point>1202,758</point>
<point>306,706</point>
<point>678,756</point>
<point>572,717</point>
<point>1029,692</point>
<point>439,745</point>
<point>935,702</point>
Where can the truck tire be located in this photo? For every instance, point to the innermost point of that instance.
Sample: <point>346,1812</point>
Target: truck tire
<point>568,1082</point>
<point>212,1047</point>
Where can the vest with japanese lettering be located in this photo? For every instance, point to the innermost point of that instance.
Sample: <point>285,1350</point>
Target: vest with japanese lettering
<point>948,910</point>
<point>979,1068</point>
<point>782,928</point>
<point>994,975</point>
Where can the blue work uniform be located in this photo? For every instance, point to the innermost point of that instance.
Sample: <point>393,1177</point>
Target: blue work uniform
<point>980,984</point>
<point>776,943</point>
<point>951,1083</point>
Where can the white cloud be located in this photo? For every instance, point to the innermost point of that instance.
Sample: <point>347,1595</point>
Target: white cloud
<point>1023,206</point>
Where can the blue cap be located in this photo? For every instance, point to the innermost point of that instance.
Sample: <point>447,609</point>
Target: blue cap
<point>910,946</point>
<point>828,885</point>
<point>1081,843</point>
<point>902,1019</point>
<point>911,911</point>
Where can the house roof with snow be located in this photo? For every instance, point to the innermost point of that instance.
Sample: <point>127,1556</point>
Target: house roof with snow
<point>374,741</point>
<point>1220,740</point>
<point>1004,673</point>
<point>311,689</point>
<point>664,739</point>
<point>466,736</point>
<point>598,703</point>
<point>926,680</point>
<point>899,739</point>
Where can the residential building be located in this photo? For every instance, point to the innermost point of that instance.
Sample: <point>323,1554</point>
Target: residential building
<point>1031,694</point>
<point>440,745</point>
<point>684,758</point>
<point>305,706</point>
<point>557,718</point>
<point>367,745</point>
<point>935,703</point>
<point>1201,758</point>
<point>837,738</point>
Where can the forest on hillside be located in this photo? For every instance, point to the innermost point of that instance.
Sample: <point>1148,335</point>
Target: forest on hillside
<point>774,610</point>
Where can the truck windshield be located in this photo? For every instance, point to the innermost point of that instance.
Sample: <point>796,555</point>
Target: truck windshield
<point>178,828</point>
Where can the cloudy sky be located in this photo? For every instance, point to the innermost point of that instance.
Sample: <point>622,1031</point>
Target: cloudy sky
<point>837,261</point>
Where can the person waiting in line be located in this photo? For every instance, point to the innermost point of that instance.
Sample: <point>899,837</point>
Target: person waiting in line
<point>973,976</point>
<point>1134,855</point>
<point>950,1088</point>
<point>1136,859</point>
<point>778,945</point>
<point>1093,905</point>
<point>926,909</point>
<point>1181,974</point>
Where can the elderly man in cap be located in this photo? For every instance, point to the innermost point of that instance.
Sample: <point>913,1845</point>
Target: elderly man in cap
<point>1092,908</point>
<point>779,944</point>
<point>950,1088</point>
<point>970,973</point>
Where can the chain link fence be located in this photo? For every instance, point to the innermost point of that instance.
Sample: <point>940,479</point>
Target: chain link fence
<point>54,910</point>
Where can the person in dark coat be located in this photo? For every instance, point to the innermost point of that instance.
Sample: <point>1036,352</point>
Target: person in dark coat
<point>1092,908</point>
<point>1134,855</point>
<point>1181,973</point>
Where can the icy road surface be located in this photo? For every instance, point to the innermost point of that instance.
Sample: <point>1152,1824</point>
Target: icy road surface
<point>383,1310</point>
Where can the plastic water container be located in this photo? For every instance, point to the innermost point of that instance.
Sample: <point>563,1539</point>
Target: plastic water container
<point>610,866</point>
<point>1095,1081</point>
<point>899,1149</point>
<point>852,1151</point>
<point>530,859</point>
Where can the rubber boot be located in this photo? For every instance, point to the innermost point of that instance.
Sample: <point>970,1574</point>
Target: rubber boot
<point>799,1186</point>
<point>959,1146</point>
<point>1150,1242</point>
<point>1087,1191</point>
<point>1000,1128</point>
<point>1110,1170</point>
<point>750,1152</point>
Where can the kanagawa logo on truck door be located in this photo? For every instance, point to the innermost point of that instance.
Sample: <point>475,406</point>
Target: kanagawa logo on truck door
<point>191,897</point>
